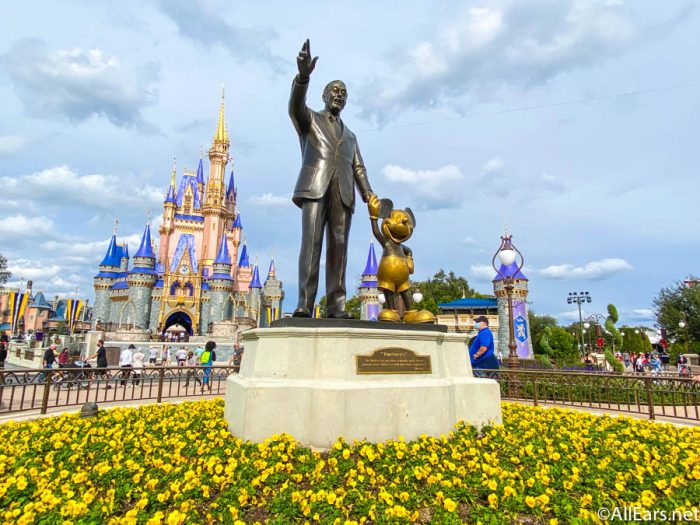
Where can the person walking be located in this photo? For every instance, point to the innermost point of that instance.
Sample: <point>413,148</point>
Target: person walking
<point>139,358</point>
<point>192,371</point>
<point>48,360</point>
<point>152,355</point>
<point>165,356</point>
<point>181,356</point>
<point>481,349</point>
<point>207,361</point>
<point>101,355</point>
<point>63,357</point>
<point>126,362</point>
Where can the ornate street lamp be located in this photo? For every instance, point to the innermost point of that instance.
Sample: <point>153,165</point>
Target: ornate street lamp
<point>579,298</point>
<point>587,325</point>
<point>507,254</point>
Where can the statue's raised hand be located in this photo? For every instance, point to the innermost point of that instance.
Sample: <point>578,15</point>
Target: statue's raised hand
<point>305,64</point>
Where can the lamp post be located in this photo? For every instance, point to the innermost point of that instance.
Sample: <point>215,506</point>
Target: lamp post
<point>507,254</point>
<point>579,298</point>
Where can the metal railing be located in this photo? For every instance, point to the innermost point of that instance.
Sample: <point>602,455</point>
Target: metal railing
<point>22,390</point>
<point>650,395</point>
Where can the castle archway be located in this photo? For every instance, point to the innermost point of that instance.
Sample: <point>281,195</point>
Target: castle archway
<point>181,319</point>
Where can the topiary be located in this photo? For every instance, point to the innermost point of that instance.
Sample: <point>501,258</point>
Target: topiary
<point>617,367</point>
<point>544,342</point>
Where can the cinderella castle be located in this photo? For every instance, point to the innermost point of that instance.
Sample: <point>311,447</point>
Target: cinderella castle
<point>201,277</point>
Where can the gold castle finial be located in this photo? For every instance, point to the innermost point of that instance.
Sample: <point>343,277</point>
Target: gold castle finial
<point>221,132</point>
<point>173,176</point>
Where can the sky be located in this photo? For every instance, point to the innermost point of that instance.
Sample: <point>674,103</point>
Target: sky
<point>572,123</point>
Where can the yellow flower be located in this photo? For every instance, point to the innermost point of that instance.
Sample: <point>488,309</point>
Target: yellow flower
<point>586,500</point>
<point>530,502</point>
<point>449,505</point>
<point>493,485</point>
<point>493,500</point>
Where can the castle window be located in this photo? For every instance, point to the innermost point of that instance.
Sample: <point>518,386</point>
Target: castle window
<point>187,205</point>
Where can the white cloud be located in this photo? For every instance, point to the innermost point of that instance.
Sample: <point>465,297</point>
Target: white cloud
<point>592,271</point>
<point>75,84</point>
<point>433,189</point>
<point>470,241</point>
<point>482,272</point>
<point>31,269</point>
<point>478,53</point>
<point>270,199</point>
<point>61,186</point>
<point>571,315</point>
<point>10,144</point>
<point>18,228</point>
<point>640,314</point>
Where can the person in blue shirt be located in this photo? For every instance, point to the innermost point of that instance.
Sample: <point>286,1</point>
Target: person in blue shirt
<point>481,349</point>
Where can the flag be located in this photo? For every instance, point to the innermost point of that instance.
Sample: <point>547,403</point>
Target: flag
<point>73,308</point>
<point>17,304</point>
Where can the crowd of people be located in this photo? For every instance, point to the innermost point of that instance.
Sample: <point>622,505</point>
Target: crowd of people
<point>652,362</point>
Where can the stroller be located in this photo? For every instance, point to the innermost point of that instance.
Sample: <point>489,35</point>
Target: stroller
<point>73,375</point>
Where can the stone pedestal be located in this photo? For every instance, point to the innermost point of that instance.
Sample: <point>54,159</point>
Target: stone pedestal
<point>309,382</point>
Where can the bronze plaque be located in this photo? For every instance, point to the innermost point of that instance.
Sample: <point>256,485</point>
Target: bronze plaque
<point>393,361</point>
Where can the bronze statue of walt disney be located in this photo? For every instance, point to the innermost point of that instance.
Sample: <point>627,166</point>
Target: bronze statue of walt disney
<point>396,264</point>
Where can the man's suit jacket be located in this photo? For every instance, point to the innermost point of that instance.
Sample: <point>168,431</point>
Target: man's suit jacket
<point>324,152</point>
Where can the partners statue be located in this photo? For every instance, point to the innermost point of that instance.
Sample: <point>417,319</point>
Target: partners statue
<point>396,263</point>
<point>325,191</point>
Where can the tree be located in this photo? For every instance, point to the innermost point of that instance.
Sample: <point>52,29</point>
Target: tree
<point>353,305</point>
<point>677,303</point>
<point>5,274</point>
<point>443,288</point>
<point>544,345</point>
<point>562,344</point>
<point>537,325</point>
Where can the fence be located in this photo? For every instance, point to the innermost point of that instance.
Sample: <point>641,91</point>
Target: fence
<point>22,390</point>
<point>662,396</point>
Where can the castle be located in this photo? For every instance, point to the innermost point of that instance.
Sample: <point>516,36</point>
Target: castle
<point>198,279</point>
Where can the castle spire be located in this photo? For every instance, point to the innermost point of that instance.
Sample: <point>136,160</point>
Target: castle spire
<point>173,176</point>
<point>221,135</point>
<point>371,266</point>
<point>255,281</point>
<point>200,173</point>
<point>112,257</point>
<point>146,246</point>
<point>272,271</point>
<point>223,257</point>
<point>244,261</point>
<point>231,186</point>
<point>237,221</point>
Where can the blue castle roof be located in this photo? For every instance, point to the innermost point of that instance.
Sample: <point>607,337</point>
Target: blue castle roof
<point>237,222</point>
<point>125,251</point>
<point>223,257</point>
<point>188,181</point>
<point>255,282</point>
<point>271,271</point>
<point>470,303</point>
<point>243,261</point>
<point>146,248</point>
<point>113,257</point>
<point>509,271</point>
<point>231,186</point>
<point>200,173</point>
<point>40,301</point>
<point>170,197</point>
<point>371,266</point>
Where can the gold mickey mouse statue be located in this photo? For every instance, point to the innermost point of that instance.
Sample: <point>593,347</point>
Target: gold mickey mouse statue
<point>396,263</point>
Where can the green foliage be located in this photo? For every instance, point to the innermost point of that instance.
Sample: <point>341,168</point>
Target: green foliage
<point>562,344</point>
<point>677,303</point>
<point>537,325</point>
<point>611,328</point>
<point>5,274</point>
<point>617,367</point>
<point>544,360</point>
<point>352,306</point>
<point>443,288</point>
<point>544,345</point>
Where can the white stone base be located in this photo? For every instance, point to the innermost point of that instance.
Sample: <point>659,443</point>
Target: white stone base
<point>304,382</point>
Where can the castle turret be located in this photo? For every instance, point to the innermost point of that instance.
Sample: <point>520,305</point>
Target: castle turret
<point>272,297</point>
<point>169,209</point>
<point>521,329</point>
<point>367,291</point>
<point>220,282</point>
<point>109,272</point>
<point>255,289</point>
<point>141,280</point>
<point>200,177</point>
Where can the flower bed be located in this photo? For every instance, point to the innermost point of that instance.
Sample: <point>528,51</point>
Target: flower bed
<point>178,463</point>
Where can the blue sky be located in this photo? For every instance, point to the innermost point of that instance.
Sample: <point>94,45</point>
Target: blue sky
<point>573,122</point>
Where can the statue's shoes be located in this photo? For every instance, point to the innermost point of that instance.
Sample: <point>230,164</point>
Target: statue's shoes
<point>418,316</point>
<point>340,315</point>
<point>389,315</point>
<point>301,312</point>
